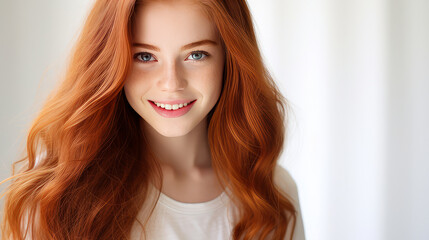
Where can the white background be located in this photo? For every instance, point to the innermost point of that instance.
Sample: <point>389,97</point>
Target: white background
<point>356,73</point>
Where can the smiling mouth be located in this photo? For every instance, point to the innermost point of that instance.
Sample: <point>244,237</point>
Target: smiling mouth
<point>171,107</point>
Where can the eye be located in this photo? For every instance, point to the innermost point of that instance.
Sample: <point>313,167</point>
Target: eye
<point>144,57</point>
<point>198,55</point>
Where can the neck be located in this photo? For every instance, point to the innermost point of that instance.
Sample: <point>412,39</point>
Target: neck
<point>183,154</point>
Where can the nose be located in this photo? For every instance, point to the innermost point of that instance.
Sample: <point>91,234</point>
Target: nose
<point>172,79</point>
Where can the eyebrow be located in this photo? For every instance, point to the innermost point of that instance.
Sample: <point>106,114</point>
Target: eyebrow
<point>187,46</point>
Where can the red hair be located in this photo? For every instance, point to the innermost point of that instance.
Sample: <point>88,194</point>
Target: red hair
<point>93,175</point>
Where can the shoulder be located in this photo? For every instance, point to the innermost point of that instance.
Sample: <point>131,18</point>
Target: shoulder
<point>287,185</point>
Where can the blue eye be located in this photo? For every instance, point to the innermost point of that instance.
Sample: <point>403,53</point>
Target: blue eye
<point>146,57</point>
<point>143,57</point>
<point>198,55</point>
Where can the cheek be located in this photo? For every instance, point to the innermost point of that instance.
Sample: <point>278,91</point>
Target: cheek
<point>134,89</point>
<point>128,87</point>
<point>212,85</point>
<point>217,80</point>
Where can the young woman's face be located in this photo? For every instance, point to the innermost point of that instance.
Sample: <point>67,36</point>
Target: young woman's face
<point>177,60</point>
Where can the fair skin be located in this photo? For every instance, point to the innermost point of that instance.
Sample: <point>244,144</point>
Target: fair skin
<point>171,72</point>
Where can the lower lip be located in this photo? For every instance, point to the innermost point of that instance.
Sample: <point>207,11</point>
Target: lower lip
<point>172,113</point>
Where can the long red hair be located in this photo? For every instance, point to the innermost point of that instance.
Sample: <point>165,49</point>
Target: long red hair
<point>93,174</point>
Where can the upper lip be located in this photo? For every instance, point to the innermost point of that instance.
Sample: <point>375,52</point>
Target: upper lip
<point>173,101</point>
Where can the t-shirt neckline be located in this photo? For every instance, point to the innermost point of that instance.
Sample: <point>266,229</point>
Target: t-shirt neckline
<point>192,208</point>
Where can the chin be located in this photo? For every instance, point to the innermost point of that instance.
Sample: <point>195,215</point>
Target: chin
<point>172,131</point>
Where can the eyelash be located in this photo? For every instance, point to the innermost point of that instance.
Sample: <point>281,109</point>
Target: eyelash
<point>198,51</point>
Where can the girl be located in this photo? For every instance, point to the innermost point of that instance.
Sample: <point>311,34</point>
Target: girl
<point>167,126</point>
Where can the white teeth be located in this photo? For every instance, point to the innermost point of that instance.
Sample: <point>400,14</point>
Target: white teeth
<point>171,107</point>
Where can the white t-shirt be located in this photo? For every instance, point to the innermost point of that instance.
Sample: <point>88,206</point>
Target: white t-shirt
<point>174,220</point>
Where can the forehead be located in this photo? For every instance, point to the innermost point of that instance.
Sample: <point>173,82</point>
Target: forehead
<point>172,21</point>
